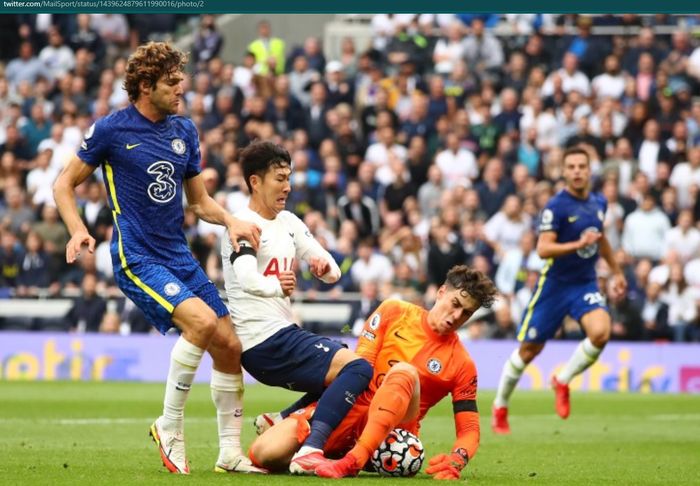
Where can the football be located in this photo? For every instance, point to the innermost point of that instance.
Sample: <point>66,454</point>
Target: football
<point>401,454</point>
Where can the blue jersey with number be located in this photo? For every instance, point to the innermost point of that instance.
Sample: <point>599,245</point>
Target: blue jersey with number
<point>569,217</point>
<point>144,166</point>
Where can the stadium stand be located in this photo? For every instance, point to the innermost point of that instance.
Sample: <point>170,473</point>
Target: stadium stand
<point>419,141</point>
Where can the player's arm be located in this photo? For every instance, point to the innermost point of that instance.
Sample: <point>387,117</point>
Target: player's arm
<point>321,263</point>
<point>245,270</point>
<point>619,282</point>
<point>204,206</point>
<point>72,175</point>
<point>468,433</point>
<point>548,247</point>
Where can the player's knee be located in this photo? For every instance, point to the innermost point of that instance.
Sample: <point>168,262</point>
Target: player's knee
<point>360,369</point>
<point>207,323</point>
<point>268,457</point>
<point>407,369</point>
<point>600,337</point>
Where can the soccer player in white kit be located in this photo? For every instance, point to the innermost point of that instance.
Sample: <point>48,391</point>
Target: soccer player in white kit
<point>276,351</point>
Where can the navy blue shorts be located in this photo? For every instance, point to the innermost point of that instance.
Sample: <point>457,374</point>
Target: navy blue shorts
<point>157,290</point>
<point>292,358</point>
<point>551,301</point>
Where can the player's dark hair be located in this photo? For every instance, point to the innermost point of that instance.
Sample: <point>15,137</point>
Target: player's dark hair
<point>575,151</point>
<point>472,283</point>
<point>259,157</point>
<point>149,63</point>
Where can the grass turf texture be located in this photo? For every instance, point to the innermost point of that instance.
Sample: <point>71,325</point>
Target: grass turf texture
<point>65,433</point>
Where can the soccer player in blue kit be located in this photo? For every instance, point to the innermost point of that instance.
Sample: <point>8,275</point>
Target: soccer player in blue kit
<point>148,154</point>
<point>570,240</point>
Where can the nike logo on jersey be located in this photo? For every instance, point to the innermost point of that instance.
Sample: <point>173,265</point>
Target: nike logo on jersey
<point>130,146</point>
<point>400,336</point>
<point>572,219</point>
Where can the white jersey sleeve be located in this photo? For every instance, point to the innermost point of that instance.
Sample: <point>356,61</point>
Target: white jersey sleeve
<point>307,247</point>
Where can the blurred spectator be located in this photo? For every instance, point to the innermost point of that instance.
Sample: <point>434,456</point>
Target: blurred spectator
<point>363,308</point>
<point>370,265</point>
<point>515,265</point>
<point>444,252</point>
<point>57,57</point>
<point>88,310</point>
<point>11,258</point>
<point>494,187</point>
<point>505,229</point>
<point>26,67</point>
<point>483,51</point>
<point>457,165</point>
<point>35,271</point>
<point>269,51</point>
<point>644,229</point>
<point>682,306</point>
<point>16,215</point>
<point>207,41</point>
<point>655,313</point>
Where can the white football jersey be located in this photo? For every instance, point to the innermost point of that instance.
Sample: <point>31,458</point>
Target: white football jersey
<point>256,302</point>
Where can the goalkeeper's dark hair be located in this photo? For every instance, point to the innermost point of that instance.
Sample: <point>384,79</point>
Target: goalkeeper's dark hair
<point>149,63</point>
<point>472,283</point>
<point>259,157</point>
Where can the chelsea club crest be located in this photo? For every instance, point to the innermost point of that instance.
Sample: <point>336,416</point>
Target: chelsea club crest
<point>178,146</point>
<point>434,366</point>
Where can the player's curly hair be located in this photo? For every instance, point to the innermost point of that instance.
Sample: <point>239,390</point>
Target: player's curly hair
<point>472,283</point>
<point>258,157</point>
<point>149,63</point>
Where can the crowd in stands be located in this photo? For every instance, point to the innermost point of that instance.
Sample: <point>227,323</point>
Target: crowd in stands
<point>438,143</point>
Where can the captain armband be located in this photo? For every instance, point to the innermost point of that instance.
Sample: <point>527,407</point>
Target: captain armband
<point>243,250</point>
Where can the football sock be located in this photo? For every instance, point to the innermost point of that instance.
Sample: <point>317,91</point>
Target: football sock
<point>184,361</point>
<point>337,400</point>
<point>387,409</point>
<point>306,399</point>
<point>227,394</point>
<point>512,371</point>
<point>585,355</point>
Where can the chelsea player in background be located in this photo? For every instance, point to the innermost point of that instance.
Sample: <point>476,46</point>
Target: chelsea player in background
<point>148,154</point>
<point>571,239</point>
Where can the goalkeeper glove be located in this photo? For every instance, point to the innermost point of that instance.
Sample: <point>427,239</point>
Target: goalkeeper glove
<point>448,466</point>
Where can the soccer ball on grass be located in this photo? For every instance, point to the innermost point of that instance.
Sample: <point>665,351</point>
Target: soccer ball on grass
<point>401,454</point>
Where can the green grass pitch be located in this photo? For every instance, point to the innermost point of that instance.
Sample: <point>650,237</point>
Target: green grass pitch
<point>65,433</point>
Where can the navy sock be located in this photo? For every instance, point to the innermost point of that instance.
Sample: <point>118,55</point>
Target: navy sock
<point>337,400</point>
<point>306,399</point>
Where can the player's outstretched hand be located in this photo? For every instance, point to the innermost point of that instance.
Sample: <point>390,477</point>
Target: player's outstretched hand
<point>243,230</point>
<point>79,238</point>
<point>318,266</point>
<point>446,466</point>
<point>288,282</point>
<point>618,284</point>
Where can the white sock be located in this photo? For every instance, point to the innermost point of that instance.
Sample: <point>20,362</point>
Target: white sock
<point>227,394</point>
<point>512,371</point>
<point>585,355</point>
<point>184,361</point>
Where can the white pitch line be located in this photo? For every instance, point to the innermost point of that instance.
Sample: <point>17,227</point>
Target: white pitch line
<point>95,421</point>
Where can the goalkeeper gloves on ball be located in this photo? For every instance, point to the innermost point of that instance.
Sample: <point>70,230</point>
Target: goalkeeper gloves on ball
<point>448,466</point>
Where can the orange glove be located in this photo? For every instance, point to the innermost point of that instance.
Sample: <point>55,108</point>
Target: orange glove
<point>447,466</point>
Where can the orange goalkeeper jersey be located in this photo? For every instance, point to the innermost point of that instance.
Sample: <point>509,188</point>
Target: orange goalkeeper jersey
<point>398,331</point>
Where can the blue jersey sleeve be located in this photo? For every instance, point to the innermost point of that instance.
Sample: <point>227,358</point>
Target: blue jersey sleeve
<point>551,217</point>
<point>193,164</point>
<point>95,146</point>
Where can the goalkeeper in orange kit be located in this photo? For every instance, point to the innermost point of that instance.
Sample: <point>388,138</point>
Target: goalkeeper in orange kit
<point>417,359</point>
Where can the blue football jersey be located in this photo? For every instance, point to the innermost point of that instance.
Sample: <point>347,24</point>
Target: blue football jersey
<point>144,165</point>
<point>570,217</point>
